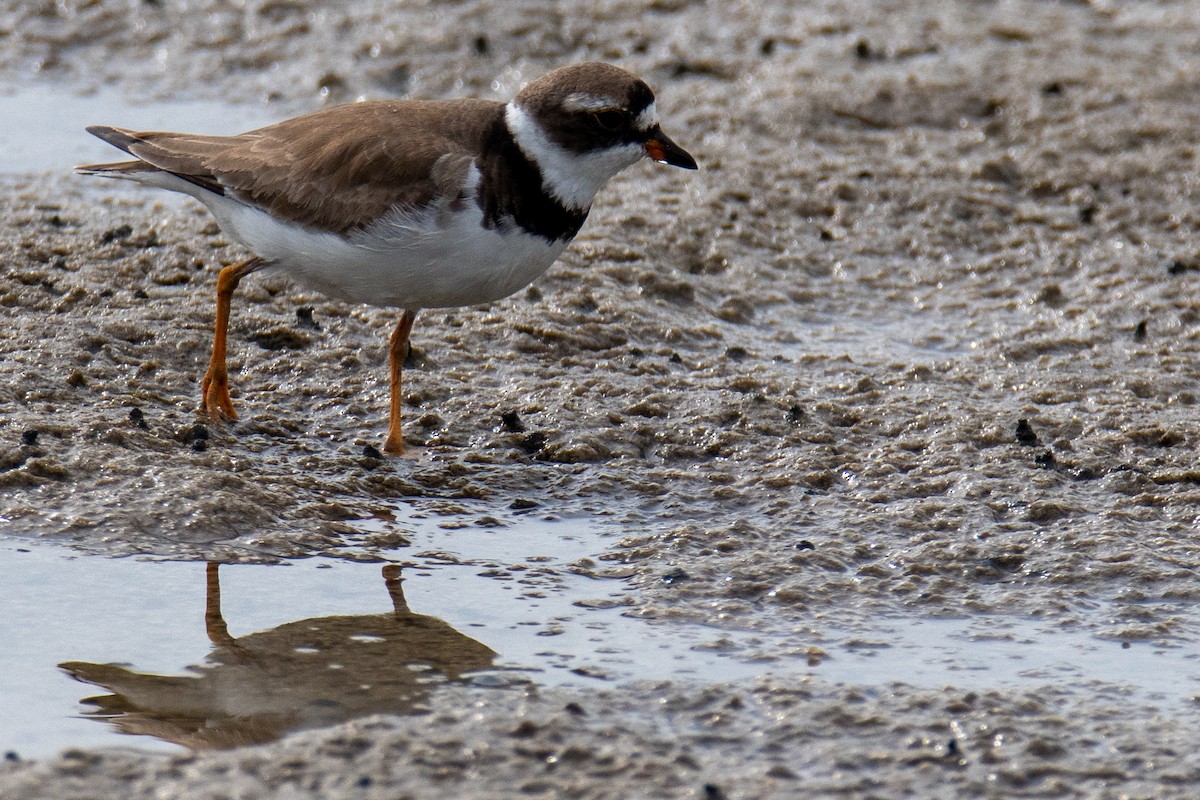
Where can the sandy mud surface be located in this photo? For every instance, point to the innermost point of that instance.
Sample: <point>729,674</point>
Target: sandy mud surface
<point>919,339</point>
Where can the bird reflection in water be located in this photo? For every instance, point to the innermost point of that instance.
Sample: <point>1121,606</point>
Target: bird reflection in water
<point>305,674</point>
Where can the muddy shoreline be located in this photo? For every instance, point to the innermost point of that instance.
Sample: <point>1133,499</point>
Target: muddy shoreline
<point>793,383</point>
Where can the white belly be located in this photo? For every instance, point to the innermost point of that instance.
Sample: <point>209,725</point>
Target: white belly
<point>431,259</point>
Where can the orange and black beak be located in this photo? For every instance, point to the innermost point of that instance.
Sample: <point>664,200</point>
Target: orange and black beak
<point>660,148</point>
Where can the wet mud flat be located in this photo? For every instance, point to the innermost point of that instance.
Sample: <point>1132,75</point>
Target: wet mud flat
<point>794,383</point>
<point>694,744</point>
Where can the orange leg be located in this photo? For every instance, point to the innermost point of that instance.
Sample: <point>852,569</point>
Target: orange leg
<point>399,351</point>
<point>214,389</point>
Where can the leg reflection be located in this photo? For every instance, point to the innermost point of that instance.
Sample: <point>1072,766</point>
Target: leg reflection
<point>214,623</point>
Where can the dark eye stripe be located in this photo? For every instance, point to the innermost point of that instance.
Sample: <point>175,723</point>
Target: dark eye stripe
<point>610,119</point>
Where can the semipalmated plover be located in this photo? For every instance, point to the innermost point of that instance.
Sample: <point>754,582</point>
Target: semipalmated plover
<point>403,203</point>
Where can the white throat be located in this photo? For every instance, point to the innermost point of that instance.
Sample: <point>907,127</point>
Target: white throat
<point>571,178</point>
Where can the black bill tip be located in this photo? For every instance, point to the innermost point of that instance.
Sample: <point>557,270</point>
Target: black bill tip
<point>659,147</point>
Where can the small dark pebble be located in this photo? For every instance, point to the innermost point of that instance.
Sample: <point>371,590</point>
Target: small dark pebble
<point>138,418</point>
<point>805,544</point>
<point>29,437</point>
<point>767,46</point>
<point>1051,88</point>
<point>1087,214</point>
<point>533,442</point>
<point>364,781</point>
<point>1139,333</point>
<point>795,415</point>
<point>863,50</point>
<point>140,294</point>
<point>1125,645</point>
<point>11,755</point>
<point>1025,434</point>
<point>200,445</point>
<point>952,748</point>
<point>481,45</point>
<point>713,792</point>
<point>196,433</point>
<point>120,232</point>
<point>574,708</point>
<point>371,451</point>
<point>1085,474</point>
<point>736,353</point>
<point>523,504</point>
<point>304,318</point>
<point>1046,460</point>
<point>510,422</point>
<point>676,575</point>
<point>1178,267</point>
<point>675,358</point>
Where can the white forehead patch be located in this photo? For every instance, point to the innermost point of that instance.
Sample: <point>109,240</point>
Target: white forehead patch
<point>584,101</point>
<point>647,119</point>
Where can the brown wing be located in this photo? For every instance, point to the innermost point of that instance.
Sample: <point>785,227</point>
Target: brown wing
<point>337,169</point>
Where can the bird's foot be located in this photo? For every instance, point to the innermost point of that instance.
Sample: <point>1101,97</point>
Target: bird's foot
<point>396,446</point>
<point>216,403</point>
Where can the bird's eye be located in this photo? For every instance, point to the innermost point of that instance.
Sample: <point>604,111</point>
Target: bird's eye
<point>610,119</point>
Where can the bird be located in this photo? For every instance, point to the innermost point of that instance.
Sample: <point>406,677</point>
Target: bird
<point>406,203</point>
